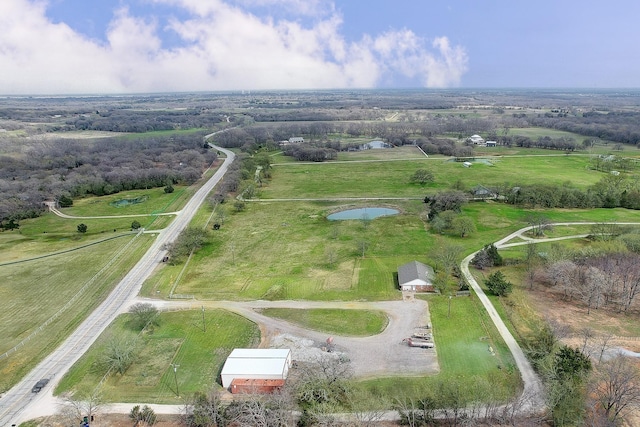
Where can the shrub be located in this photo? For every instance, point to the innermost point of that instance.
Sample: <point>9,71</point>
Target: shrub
<point>498,285</point>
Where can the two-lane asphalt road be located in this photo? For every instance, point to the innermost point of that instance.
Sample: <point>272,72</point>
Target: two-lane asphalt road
<point>16,403</point>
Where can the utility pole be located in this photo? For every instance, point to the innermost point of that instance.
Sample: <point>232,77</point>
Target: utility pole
<point>204,324</point>
<point>175,376</point>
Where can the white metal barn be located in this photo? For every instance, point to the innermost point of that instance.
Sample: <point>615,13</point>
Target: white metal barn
<point>256,363</point>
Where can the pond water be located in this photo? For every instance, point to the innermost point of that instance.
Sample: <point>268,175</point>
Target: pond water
<point>361,213</point>
<point>126,202</point>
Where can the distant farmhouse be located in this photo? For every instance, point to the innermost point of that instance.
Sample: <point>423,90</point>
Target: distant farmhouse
<point>482,192</point>
<point>476,140</point>
<point>375,145</point>
<point>296,140</point>
<point>416,277</point>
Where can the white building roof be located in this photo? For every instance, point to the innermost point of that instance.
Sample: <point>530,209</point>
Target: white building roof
<point>260,353</point>
<point>255,368</point>
<point>256,363</point>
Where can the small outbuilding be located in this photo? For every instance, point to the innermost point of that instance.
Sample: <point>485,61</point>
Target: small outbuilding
<point>491,143</point>
<point>416,277</point>
<point>256,364</point>
<point>482,192</point>
<point>296,140</point>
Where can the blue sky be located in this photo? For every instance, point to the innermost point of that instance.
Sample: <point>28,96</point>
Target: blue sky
<point>129,46</point>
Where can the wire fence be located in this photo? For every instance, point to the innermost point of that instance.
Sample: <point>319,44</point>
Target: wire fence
<point>73,299</point>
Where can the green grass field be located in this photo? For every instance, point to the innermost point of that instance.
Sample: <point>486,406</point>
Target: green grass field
<point>291,251</point>
<point>181,338</point>
<point>333,321</point>
<point>154,201</point>
<point>391,178</point>
<point>33,292</point>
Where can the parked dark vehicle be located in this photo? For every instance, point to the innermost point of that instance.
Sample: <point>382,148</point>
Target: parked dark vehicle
<point>40,385</point>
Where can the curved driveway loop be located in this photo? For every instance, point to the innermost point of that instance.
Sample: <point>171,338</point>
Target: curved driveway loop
<point>383,354</point>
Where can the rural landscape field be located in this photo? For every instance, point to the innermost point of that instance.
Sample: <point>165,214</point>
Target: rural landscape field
<point>537,193</point>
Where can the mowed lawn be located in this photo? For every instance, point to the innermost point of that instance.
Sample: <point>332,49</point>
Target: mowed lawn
<point>199,349</point>
<point>357,323</point>
<point>391,178</point>
<point>32,292</point>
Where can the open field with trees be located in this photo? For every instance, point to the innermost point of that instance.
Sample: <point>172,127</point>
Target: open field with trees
<point>558,159</point>
<point>391,178</point>
<point>177,338</point>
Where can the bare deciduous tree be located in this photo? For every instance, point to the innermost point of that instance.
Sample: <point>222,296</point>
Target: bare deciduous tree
<point>603,342</point>
<point>616,387</point>
<point>76,407</point>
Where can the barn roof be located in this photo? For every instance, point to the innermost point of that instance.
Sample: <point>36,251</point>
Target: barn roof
<point>415,270</point>
<point>256,363</point>
<point>260,353</point>
<point>247,368</point>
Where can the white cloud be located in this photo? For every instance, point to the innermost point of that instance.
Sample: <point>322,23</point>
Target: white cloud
<point>225,47</point>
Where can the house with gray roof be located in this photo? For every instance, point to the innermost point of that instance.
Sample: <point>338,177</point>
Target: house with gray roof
<point>416,277</point>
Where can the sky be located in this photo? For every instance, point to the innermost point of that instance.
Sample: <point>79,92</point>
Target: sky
<point>54,47</point>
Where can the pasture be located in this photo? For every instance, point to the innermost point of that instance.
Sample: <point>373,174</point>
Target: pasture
<point>34,291</point>
<point>391,178</point>
<point>289,250</point>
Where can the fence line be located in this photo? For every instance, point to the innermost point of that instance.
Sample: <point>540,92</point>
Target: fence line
<point>73,299</point>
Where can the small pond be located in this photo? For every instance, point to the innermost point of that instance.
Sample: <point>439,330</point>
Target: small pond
<point>126,202</point>
<point>361,213</point>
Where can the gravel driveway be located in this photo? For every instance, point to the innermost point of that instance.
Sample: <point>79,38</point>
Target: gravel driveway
<point>378,355</point>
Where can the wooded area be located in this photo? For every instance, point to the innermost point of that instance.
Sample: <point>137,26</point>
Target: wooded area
<point>63,168</point>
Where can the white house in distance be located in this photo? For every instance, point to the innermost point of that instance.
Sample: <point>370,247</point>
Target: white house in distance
<point>476,140</point>
<point>256,364</point>
<point>416,277</point>
<point>296,140</point>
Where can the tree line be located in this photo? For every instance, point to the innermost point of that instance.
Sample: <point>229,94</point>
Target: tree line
<point>618,126</point>
<point>62,169</point>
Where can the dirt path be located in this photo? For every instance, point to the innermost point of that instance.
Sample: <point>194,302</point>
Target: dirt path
<point>54,210</point>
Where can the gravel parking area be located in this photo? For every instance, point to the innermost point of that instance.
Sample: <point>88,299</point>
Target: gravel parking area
<point>379,355</point>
